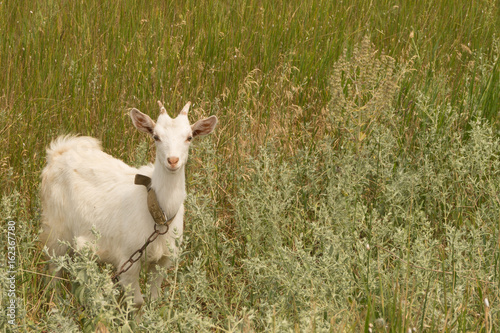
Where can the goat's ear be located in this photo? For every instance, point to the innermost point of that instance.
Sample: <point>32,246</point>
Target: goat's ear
<point>204,126</point>
<point>142,121</point>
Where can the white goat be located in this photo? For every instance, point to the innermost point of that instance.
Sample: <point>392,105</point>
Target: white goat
<point>84,188</point>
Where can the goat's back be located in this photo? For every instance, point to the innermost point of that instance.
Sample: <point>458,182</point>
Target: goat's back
<point>83,187</point>
<point>78,165</point>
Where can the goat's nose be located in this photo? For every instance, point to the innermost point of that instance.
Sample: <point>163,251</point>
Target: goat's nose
<point>172,160</point>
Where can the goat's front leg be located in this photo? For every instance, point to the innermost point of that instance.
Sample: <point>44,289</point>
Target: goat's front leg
<point>164,263</point>
<point>131,278</point>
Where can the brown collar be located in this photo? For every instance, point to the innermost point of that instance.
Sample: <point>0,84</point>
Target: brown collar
<point>153,205</point>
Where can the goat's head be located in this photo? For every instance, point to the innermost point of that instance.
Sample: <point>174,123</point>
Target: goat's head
<point>172,136</point>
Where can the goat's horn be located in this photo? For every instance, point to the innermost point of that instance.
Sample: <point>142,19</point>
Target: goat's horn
<point>162,108</point>
<point>185,109</point>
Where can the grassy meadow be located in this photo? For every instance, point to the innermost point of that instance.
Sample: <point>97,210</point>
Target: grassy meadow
<point>352,183</point>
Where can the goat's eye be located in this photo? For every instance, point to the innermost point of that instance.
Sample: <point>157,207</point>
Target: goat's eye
<point>189,138</point>
<point>156,137</point>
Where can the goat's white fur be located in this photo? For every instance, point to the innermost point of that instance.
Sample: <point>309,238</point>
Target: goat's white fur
<point>84,188</point>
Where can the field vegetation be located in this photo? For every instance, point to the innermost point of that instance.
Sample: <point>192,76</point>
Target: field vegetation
<point>352,184</point>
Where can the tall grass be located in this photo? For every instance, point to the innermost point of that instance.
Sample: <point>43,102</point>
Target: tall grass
<point>350,186</point>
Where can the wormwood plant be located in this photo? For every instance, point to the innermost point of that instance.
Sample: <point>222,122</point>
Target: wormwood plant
<point>92,293</point>
<point>400,255</point>
<point>362,88</point>
<point>373,233</point>
<point>94,302</point>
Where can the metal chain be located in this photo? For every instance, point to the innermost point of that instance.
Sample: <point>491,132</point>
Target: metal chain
<point>138,254</point>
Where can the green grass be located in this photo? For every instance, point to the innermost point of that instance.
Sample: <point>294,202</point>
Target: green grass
<point>351,185</point>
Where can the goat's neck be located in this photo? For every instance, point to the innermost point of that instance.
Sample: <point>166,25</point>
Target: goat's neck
<point>170,188</point>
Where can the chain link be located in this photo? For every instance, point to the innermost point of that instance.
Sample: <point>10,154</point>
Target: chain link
<point>127,264</point>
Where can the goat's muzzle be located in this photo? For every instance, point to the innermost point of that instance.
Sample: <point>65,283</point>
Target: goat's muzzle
<point>172,162</point>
